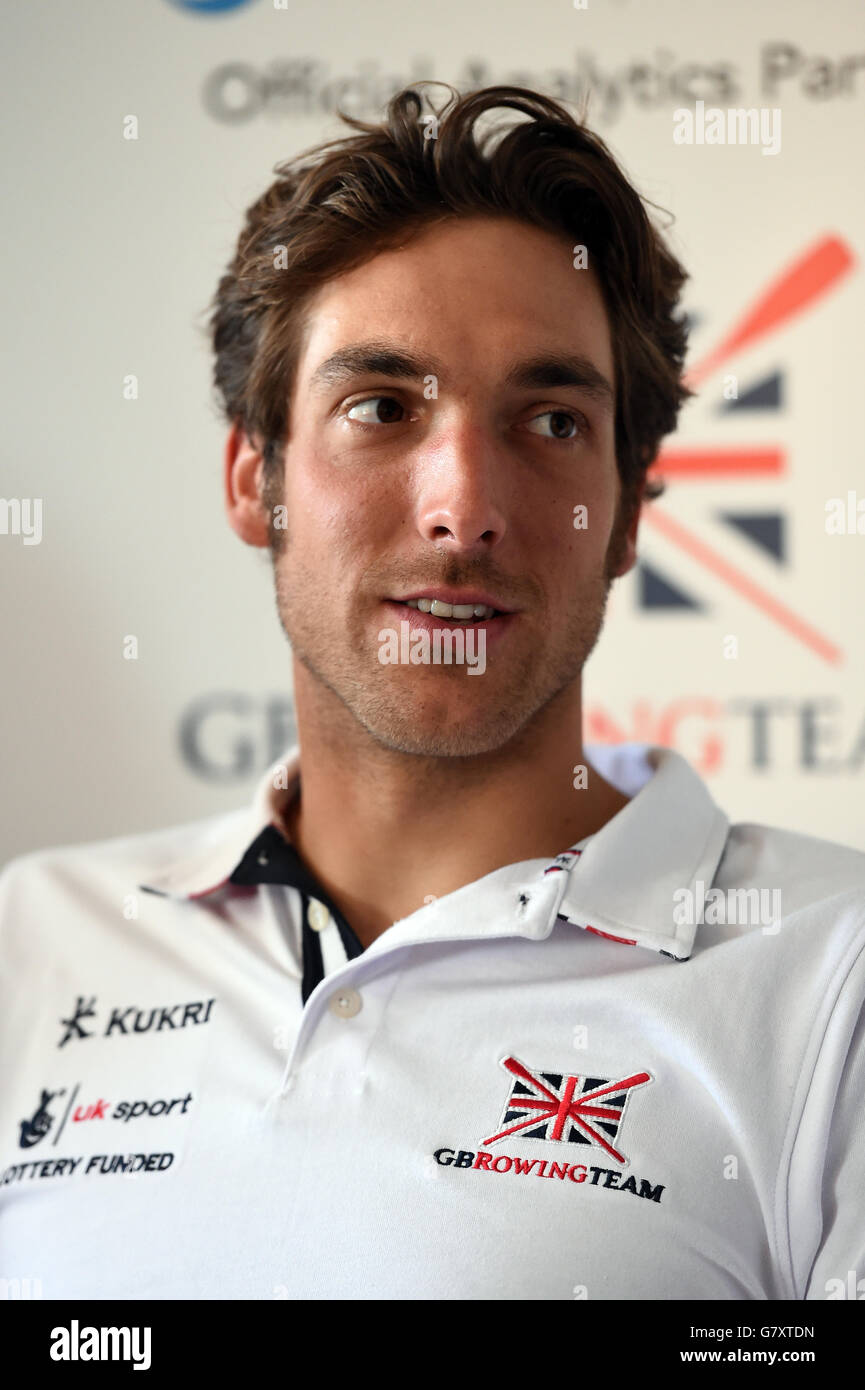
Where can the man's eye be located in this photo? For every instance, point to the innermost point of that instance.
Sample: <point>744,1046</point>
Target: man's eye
<point>376,412</point>
<point>562,419</point>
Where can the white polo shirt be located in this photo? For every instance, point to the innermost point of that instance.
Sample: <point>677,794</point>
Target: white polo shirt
<point>545,1085</point>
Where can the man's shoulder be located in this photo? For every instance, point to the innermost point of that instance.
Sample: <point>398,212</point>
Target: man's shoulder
<point>132,858</point>
<point>807,870</point>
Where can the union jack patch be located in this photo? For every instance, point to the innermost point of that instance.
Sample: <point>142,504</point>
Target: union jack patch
<point>566,1109</point>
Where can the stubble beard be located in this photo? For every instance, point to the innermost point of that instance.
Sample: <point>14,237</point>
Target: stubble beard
<point>436,719</point>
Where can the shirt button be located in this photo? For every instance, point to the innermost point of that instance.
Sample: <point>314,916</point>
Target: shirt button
<point>345,1003</point>
<point>318,915</point>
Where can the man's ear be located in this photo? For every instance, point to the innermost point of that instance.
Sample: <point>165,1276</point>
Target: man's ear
<point>243,482</point>
<point>628,556</point>
<point>627,553</point>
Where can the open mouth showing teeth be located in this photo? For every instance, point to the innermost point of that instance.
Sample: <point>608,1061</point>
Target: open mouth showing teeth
<point>456,612</point>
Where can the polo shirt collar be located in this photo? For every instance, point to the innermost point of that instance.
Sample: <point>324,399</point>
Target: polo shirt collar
<point>670,836</point>
<point>620,884</point>
<point>202,872</point>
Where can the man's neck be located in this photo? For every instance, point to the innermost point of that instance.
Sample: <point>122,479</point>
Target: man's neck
<point>386,832</point>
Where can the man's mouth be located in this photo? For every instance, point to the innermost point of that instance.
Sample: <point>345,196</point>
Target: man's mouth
<point>460,608</point>
<point>454,612</point>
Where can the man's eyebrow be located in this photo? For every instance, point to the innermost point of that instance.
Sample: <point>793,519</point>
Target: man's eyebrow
<point>371,359</point>
<point>381,359</point>
<point>563,369</point>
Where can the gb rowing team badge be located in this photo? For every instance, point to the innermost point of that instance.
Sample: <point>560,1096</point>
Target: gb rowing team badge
<point>568,1109</point>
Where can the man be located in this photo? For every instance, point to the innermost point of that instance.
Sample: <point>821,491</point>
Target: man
<point>459,1009</point>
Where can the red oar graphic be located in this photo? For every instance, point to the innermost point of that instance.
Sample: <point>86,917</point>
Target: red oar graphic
<point>742,584</point>
<point>815,272</point>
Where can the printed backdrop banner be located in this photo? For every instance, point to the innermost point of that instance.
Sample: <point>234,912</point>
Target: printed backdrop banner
<point>137,134</point>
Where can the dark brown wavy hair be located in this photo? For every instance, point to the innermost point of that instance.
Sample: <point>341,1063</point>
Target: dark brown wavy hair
<point>338,204</point>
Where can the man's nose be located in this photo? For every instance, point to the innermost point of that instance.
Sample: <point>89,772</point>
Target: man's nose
<point>460,482</point>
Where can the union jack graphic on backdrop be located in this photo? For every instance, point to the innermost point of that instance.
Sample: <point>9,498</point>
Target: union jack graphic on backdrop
<point>566,1109</point>
<point>816,271</point>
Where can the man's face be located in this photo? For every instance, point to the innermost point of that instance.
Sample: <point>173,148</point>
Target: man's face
<point>457,472</point>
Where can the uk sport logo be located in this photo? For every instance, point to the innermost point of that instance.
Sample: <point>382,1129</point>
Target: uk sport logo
<point>566,1109</point>
<point>40,1122</point>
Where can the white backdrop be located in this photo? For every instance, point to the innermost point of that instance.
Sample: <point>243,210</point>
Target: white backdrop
<point>113,248</point>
